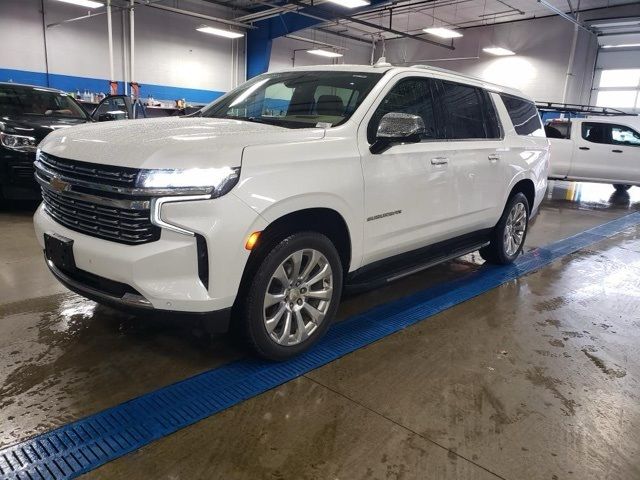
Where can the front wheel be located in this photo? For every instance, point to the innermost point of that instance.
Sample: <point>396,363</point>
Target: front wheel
<point>621,188</point>
<point>509,234</point>
<point>293,296</point>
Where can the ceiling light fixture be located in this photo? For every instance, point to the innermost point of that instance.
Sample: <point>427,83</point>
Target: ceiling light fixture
<point>324,53</point>
<point>351,3</point>
<point>622,45</point>
<point>220,32</point>
<point>498,51</point>
<point>84,3</point>
<point>442,32</point>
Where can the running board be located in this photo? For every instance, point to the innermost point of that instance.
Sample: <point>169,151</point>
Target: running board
<point>388,270</point>
<point>435,262</point>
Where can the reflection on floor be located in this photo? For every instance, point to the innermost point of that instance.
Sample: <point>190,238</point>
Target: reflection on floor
<point>533,379</point>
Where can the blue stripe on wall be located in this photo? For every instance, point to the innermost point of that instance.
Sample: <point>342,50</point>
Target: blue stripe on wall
<point>70,83</point>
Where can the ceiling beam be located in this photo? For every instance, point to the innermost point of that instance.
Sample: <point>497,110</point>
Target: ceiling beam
<point>566,16</point>
<point>331,15</point>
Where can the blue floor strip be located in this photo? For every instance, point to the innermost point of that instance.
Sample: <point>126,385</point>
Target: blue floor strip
<point>84,445</point>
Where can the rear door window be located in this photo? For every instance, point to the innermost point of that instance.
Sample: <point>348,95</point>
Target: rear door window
<point>524,116</point>
<point>621,135</point>
<point>468,112</point>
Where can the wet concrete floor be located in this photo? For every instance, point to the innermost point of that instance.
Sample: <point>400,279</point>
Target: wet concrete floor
<point>535,379</point>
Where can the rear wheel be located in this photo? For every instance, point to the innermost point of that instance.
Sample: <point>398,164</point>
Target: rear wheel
<point>509,234</point>
<point>293,296</point>
<point>621,188</point>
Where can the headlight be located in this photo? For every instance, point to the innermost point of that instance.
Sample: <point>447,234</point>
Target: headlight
<point>216,181</point>
<point>20,143</point>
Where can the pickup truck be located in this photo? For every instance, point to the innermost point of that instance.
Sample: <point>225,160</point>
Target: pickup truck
<point>596,149</point>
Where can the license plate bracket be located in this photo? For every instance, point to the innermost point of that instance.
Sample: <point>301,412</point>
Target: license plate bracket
<point>59,251</point>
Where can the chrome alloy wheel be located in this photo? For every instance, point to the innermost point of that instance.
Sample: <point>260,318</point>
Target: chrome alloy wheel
<point>515,228</point>
<point>298,297</point>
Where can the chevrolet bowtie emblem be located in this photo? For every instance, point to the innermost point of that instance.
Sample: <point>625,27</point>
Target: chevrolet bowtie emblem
<point>59,185</point>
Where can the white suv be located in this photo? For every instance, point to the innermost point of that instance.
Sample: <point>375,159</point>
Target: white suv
<point>264,206</point>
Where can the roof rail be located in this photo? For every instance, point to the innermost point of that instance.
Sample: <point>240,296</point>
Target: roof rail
<point>451,72</point>
<point>577,108</point>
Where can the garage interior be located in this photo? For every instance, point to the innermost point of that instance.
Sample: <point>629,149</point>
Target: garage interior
<point>530,371</point>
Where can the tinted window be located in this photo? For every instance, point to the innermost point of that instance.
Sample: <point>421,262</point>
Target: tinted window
<point>468,112</point>
<point>596,132</point>
<point>413,96</point>
<point>610,134</point>
<point>296,99</point>
<point>524,116</point>
<point>114,106</point>
<point>33,101</point>
<point>555,129</point>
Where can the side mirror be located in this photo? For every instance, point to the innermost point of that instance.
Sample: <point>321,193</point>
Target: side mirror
<point>398,127</point>
<point>110,116</point>
<point>105,117</point>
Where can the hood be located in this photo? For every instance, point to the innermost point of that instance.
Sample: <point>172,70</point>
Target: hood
<point>37,126</point>
<point>174,142</point>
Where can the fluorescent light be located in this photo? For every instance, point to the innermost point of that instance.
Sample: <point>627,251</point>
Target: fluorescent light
<point>498,51</point>
<point>84,3</point>
<point>622,45</point>
<point>324,53</point>
<point>351,3</point>
<point>220,32</point>
<point>442,32</point>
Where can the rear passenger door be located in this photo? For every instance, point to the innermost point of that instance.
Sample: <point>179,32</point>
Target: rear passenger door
<point>476,156</point>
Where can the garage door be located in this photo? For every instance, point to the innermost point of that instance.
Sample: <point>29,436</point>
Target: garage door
<point>617,76</point>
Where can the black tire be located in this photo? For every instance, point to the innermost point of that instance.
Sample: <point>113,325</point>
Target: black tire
<point>253,310</point>
<point>496,251</point>
<point>621,188</point>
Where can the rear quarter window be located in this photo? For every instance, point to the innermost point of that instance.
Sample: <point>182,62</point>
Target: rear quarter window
<point>524,116</point>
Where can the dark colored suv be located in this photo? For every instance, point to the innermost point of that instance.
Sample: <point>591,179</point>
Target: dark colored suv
<point>27,114</point>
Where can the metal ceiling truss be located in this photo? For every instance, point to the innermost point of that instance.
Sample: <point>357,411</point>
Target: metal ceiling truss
<point>330,15</point>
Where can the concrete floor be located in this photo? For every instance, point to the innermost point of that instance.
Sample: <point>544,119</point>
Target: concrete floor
<point>535,379</point>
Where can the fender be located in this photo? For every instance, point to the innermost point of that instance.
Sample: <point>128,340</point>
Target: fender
<point>270,212</point>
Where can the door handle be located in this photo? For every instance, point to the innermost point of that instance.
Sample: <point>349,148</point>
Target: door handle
<point>493,157</point>
<point>584,148</point>
<point>616,151</point>
<point>439,161</point>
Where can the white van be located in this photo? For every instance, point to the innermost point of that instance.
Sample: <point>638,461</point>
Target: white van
<point>266,204</point>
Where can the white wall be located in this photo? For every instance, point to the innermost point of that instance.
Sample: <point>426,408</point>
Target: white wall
<point>283,49</point>
<point>168,50</point>
<point>539,69</point>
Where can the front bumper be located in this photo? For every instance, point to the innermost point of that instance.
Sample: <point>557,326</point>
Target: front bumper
<point>164,274</point>
<point>133,302</point>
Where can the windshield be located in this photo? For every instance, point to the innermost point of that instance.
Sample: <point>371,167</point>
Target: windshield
<point>18,100</point>
<point>296,99</point>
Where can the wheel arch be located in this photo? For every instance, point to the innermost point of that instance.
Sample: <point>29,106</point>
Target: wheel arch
<point>324,220</point>
<point>527,188</point>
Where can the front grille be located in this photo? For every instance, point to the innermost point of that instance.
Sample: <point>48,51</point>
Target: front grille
<point>82,204</point>
<point>117,224</point>
<point>91,172</point>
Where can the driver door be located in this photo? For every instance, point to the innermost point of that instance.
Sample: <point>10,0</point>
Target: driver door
<point>409,193</point>
<point>113,107</point>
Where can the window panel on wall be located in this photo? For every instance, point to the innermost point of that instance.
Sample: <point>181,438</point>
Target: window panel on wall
<point>626,99</point>
<point>620,78</point>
